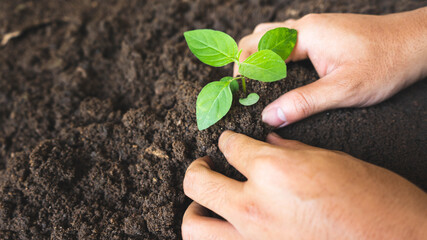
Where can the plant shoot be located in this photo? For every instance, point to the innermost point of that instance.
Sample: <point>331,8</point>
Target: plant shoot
<point>218,49</point>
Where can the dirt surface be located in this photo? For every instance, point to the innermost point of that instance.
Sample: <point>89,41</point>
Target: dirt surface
<point>97,112</point>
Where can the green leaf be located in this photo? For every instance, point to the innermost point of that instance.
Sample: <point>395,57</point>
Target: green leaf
<point>212,47</point>
<point>234,85</point>
<point>238,54</point>
<point>265,66</point>
<point>251,99</point>
<point>280,40</point>
<point>213,102</point>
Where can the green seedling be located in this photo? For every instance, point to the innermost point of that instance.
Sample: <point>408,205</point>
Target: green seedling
<point>218,49</point>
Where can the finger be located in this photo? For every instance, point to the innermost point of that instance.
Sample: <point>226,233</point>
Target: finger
<point>300,50</point>
<point>197,225</point>
<point>274,139</point>
<point>248,45</point>
<point>264,27</point>
<point>211,189</point>
<point>323,94</point>
<point>242,152</point>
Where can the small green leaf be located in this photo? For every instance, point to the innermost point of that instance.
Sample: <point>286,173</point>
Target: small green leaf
<point>265,66</point>
<point>213,102</point>
<point>251,99</point>
<point>212,47</point>
<point>234,85</point>
<point>280,40</point>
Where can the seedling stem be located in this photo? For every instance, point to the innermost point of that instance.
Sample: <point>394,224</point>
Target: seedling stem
<point>244,85</point>
<point>218,49</point>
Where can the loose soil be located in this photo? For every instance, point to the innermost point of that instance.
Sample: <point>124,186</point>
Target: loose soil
<point>97,112</point>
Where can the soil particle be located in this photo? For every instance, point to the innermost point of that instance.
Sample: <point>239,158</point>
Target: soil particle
<point>97,112</point>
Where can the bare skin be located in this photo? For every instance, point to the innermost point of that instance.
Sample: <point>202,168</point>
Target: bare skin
<point>296,191</point>
<point>361,60</point>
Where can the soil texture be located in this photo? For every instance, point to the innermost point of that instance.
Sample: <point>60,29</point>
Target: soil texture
<point>97,112</point>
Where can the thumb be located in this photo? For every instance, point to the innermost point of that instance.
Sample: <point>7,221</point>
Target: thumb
<point>323,94</point>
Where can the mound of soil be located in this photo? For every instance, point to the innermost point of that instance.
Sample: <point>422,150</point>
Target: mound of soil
<point>97,112</point>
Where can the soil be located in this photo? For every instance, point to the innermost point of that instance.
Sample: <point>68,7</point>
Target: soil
<point>97,112</point>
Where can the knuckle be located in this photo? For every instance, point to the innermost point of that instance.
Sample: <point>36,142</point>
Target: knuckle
<point>244,40</point>
<point>252,212</point>
<point>260,27</point>
<point>288,22</point>
<point>190,178</point>
<point>268,154</point>
<point>201,188</point>
<point>311,17</point>
<point>303,103</point>
<point>213,195</point>
<point>188,229</point>
<point>267,168</point>
<point>230,143</point>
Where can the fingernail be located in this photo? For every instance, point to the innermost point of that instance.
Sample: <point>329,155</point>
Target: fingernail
<point>274,117</point>
<point>281,115</point>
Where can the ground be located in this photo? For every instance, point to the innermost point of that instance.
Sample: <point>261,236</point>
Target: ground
<point>97,112</point>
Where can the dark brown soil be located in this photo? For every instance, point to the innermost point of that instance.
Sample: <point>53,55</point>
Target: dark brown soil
<point>97,112</point>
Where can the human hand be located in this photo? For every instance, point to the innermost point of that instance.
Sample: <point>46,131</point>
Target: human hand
<point>361,60</point>
<point>295,191</point>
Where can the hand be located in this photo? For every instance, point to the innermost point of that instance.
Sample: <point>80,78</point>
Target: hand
<point>295,191</point>
<point>361,60</point>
